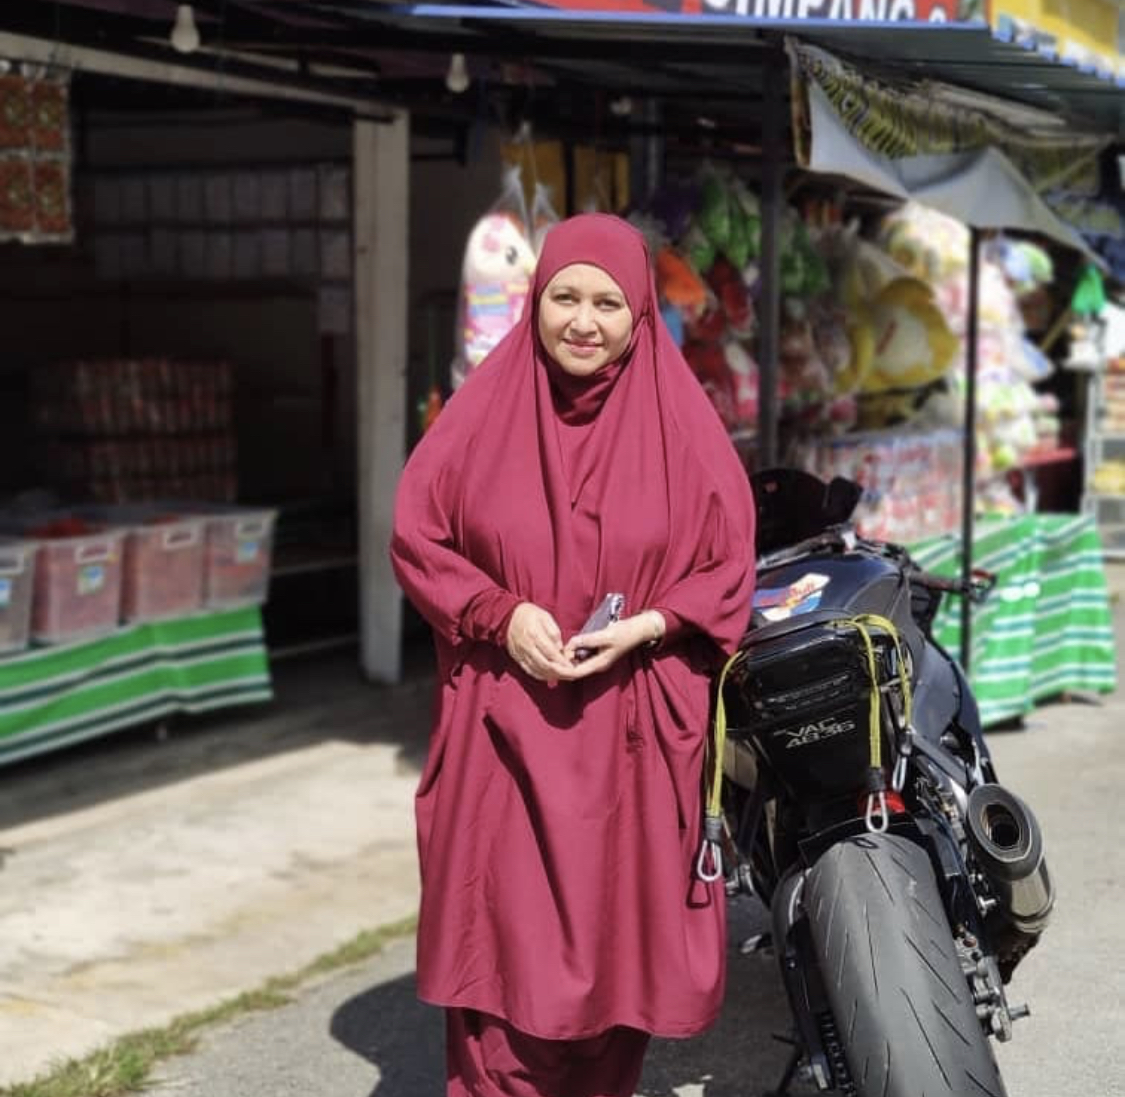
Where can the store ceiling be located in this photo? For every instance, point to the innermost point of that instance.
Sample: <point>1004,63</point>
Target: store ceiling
<point>562,69</point>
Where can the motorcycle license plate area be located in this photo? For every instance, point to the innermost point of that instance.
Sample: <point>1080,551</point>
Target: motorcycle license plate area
<point>804,700</point>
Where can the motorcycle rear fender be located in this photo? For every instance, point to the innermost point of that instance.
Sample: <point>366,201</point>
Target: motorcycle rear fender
<point>800,973</point>
<point>933,836</point>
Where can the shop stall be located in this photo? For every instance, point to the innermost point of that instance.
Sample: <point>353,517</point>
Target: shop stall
<point>820,317</point>
<point>180,309</point>
<point>784,322</point>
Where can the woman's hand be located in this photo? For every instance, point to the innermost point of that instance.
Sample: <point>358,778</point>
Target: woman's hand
<point>534,641</point>
<point>612,642</point>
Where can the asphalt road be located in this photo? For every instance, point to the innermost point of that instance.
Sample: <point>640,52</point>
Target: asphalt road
<point>362,1033</point>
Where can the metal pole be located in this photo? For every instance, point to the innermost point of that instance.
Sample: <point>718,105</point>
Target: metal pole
<point>646,154</point>
<point>968,478</point>
<point>768,305</point>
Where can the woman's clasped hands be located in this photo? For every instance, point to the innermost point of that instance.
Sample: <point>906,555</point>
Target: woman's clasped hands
<point>535,643</point>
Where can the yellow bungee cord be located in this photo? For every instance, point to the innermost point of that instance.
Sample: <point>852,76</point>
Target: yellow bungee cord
<point>709,863</point>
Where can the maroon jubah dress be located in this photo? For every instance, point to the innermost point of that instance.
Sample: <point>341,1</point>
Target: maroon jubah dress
<point>558,824</point>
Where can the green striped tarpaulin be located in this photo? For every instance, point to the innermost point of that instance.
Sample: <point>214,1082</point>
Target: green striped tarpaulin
<point>56,695</point>
<point>1046,628</point>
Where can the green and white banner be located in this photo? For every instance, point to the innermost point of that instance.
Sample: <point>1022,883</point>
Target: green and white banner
<point>57,695</point>
<point>1046,628</point>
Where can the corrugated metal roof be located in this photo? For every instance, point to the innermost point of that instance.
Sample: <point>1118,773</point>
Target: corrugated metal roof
<point>967,54</point>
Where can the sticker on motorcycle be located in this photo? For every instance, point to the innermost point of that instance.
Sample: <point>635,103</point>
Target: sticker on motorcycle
<point>814,732</point>
<point>780,603</point>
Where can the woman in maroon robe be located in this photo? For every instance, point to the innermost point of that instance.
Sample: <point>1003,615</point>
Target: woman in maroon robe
<point>560,810</point>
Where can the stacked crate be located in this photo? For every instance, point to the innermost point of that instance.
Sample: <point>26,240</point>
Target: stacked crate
<point>77,574</point>
<point>133,429</point>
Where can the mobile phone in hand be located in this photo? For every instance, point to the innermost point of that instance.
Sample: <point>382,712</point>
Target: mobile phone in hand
<point>610,610</point>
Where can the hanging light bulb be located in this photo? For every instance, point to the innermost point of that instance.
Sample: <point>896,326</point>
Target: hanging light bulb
<point>457,78</point>
<point>185,34</point>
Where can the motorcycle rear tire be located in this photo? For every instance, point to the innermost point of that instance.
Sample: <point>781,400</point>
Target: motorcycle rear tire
<point>902,1006</point>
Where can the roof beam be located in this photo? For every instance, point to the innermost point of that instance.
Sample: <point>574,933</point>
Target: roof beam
<point>209,73</point>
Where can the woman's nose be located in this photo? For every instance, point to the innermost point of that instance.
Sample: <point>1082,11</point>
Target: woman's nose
<point>583,317</point>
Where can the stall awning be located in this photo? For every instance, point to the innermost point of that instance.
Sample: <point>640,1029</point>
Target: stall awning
<point>973,159</point>
<point>916,38</point>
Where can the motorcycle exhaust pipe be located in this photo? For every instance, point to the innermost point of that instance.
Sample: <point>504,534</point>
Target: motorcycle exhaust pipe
<point>1009,848</point>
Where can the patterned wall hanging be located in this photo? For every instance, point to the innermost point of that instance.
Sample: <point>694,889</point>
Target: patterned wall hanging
<point>35,160</point>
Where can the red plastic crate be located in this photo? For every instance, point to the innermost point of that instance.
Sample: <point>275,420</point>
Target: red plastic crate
<point>164,559</point>
<point>78,572</point>
<point>238,557</point>
<point>17,590</point>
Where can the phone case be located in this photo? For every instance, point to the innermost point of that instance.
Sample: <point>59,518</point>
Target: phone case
<point>609,611</point>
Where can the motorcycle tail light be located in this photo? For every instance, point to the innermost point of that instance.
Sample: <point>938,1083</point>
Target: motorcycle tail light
<point>896,805</point>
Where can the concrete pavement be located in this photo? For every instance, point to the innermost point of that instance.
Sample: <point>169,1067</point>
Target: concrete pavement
<point>143,878</point>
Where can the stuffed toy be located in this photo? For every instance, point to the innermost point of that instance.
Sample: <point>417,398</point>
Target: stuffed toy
<point>679,285</point>
<point>912,343</point>
<point>725,281</point>
<point>743,372</point>
<point>495,280</point>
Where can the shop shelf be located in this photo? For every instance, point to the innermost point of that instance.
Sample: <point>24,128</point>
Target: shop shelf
<point>1113,540</point>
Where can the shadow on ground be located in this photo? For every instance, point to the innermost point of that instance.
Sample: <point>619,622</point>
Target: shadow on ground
<point>739,1057</point>
<point>316,699</point>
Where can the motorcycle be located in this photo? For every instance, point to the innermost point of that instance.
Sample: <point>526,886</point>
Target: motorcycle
<point>853,793</point>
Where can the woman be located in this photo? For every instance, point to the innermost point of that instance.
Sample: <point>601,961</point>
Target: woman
<point>559,812</point>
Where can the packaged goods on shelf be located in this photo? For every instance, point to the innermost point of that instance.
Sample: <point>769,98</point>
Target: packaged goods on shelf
<point>78,572</point>
<point>1113,409</point>
<point>129,470</point>
<point>111,397</point>
<point>130,430</point>
<point>17,588</point>
<point>871,341</point>
<point>911,481</point>
<point>1109,478</point>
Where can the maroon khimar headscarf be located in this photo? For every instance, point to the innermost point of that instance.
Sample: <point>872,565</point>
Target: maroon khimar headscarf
<point>557,825</point>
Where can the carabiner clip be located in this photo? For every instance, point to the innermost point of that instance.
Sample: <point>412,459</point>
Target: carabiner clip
<point>898,774</point>
<point>905,750</point>
<point>710,850</point>
<point>876,800</point>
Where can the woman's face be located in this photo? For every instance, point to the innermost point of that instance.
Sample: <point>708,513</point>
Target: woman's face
<point>584,320</point>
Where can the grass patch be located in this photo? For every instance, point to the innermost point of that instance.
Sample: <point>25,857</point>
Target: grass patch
<point>125,1065</point>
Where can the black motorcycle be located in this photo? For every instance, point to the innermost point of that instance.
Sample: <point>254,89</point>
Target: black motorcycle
<point>854,794</point>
